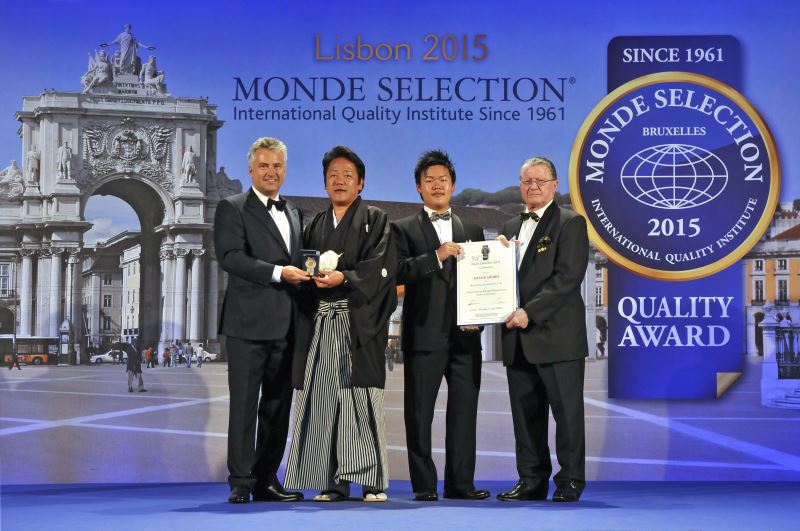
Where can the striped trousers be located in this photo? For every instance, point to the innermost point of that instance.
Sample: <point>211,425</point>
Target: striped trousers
<point>339,430</point>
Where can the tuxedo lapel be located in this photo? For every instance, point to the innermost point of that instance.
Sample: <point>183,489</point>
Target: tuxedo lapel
<point>295,231</point>
<point>260,212</point>
<point>432,241</point>
<point>514,226</point>
<point>428,232</point>
<point>459,235</point>
<point>541,229</point>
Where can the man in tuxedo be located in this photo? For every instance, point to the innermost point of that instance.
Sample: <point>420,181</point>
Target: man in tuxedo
<point>544,341</point>
<point>433,345</point>
<point>257,236</point>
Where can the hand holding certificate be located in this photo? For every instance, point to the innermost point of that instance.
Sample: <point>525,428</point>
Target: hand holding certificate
<point>487,283</point>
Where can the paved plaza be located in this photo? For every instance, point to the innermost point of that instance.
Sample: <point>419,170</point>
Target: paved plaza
<point>80,425</point>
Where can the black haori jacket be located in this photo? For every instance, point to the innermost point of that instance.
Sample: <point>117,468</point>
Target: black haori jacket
<point>369,263</point>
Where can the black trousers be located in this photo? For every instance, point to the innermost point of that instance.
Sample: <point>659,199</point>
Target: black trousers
<point>535,388</point>
<point>423,373</point>
<point>257,368</point>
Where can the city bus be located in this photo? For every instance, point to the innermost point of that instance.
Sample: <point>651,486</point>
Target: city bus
<point>32,350</point>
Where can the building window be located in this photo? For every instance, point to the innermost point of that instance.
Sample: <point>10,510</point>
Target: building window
<point>598,274</point>
<point>759,265</point>
<point>783,290</point>
<point>134,268</point>
<point>759,291</point>
<point>107,279</point>
<point>107,301</point>
<point>598,295</point>
<point>782,264</point>
<point>106,323</point>
<point>5,280</point>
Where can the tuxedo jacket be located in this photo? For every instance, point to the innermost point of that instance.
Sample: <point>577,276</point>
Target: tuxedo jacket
<point>249,245</point>
<point>429,305</point>
<point>550,277</point>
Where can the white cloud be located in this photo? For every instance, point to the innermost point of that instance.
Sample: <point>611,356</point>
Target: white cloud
<point>109,216</point>
<point>103,229</point>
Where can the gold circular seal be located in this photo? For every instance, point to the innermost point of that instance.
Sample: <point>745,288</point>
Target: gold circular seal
<point>709,83</point>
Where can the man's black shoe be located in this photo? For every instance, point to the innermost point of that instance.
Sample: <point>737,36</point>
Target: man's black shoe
<point>239,494</point>
<point>524,492</point>
<point>567,493</point>
<point>426,496</point>
<point>471,495</point>
<point>275,492</point>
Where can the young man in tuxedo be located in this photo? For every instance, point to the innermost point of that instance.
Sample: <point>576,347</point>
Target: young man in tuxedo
<point>257,237</point>
<point>544,340</point>
<point>433,345</point>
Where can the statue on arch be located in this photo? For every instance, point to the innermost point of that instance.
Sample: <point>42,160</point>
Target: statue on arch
<point>32,164</point>
<point>11,181</point>
<point>129,60</point>
<point>188,166</point>
<point>153,78</point>
<point>11,173</point>
<point>64,161</point>
<point>98,73</point>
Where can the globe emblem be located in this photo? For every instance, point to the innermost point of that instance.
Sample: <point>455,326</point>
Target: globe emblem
<point>674,176</point>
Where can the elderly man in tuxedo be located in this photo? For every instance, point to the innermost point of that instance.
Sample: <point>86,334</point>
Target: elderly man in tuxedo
<point>258,236</point>
<point>434,347</point>
<point>544,340</point>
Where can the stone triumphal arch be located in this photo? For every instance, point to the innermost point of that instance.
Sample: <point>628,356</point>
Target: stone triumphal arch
<point>124,135</point>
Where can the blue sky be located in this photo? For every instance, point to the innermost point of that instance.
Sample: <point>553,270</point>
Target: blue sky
<point>202,46</point>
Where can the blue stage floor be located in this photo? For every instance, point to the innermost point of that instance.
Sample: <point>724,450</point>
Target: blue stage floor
<point>726,506</point>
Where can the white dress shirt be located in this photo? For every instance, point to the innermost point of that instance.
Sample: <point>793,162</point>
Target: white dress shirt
<point>444,229</point>
<point>526,232</point>
<point>282,222</point>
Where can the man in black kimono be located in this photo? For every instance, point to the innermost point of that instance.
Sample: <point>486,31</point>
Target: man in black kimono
<point>339,367</point>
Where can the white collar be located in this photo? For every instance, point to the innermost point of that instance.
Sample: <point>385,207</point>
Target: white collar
<point>430,211</point>
<point>263,198</point>
<point>540,212</point>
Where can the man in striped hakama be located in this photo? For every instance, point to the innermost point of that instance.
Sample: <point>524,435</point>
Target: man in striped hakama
<point>339,369</point>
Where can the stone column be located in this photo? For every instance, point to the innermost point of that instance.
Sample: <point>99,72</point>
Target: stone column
<point>212,299</point>
<point>93,309</point>
<point>180,294</point>
<point>196,325</point>
<point>73,300</point>
<point>770,390</point>
<point>167,262</point>
<point>69,288</point>
<point>55,291</point>
<point>26,293</point>
<point>43,293</point>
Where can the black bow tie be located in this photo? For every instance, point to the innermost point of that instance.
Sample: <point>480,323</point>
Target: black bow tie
<point>529,215</point>
<point>280,204</point>
<point>444,216</point>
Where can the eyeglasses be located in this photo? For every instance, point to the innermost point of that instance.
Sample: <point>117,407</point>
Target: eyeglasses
<point>347,176</point>
<point>538,182</point>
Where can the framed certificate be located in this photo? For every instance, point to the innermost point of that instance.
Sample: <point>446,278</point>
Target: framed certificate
<point>487,283</point>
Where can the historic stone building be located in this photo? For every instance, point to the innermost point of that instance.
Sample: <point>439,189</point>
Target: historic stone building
<point>122,135</point>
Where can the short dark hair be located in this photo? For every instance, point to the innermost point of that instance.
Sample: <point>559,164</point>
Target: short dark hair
<point>434,157</point>
<point>343,152</point>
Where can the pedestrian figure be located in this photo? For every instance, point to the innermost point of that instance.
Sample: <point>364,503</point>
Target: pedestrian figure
<point>134,370</point>
<point>14,360</point>
<point>189,354</point>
